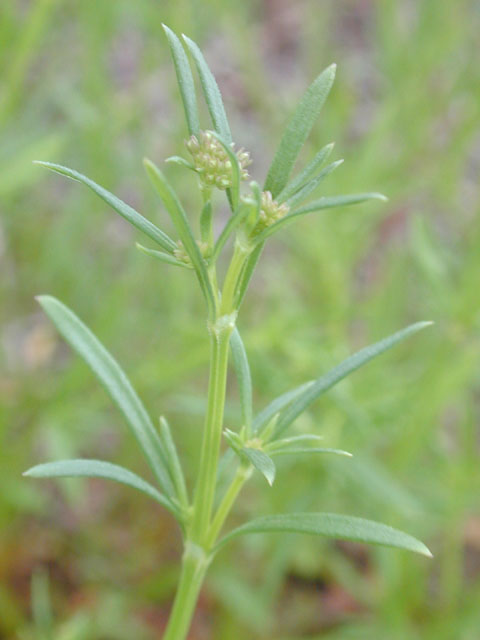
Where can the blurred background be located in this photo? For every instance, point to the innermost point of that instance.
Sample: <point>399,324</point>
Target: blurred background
<point>91,85</point>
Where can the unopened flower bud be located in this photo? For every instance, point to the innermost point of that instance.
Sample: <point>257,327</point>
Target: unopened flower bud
<point>212,162</point>
<point>270,212</point>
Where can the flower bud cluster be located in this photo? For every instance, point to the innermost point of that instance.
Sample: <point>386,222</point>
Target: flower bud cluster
<point>181,254</point>
<point>212,162</point>
<point>270,211</point>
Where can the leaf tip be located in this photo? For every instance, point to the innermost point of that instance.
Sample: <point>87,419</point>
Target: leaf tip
<point>43,298</point>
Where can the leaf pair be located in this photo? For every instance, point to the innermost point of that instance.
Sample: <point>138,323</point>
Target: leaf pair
<point>158,450</point>
<point>186,85</point>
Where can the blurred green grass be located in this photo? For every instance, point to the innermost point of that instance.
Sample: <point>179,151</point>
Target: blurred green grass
<point>90,85</point>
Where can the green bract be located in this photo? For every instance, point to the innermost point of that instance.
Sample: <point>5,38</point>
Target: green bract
<point>255,216</point>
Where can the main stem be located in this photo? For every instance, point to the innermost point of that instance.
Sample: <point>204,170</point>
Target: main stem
<point>203,531</point>
<point>205,491</point>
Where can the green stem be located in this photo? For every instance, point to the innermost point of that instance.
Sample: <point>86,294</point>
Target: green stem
<point>206,482</point>
<point>242,475</point>
<point>194,566</point>
<point>232,278</point>
<point>202,533</point>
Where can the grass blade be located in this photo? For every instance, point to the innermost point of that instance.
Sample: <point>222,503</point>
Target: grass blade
<point>211,91</point>
<point>116,383</point>
<point>125,210</point>
<point>244,378</point>
<point>297,131</point>
<point>180,220</point>
<point>98,469</point>
<point>351,364</point>
<point>261,462</point>
<point>185,81</point>
<point>331,525</point>
<point>163,257</point>
<point>308,172</point>
<point>326,202</point>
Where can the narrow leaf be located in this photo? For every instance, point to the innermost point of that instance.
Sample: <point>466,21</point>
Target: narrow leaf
<point>331,525</point>
<point>354,362</point>
<point>261,462</point>
<point>173,460</point>
<point>98,469</point>
<point>181,162</point>
<point>301,450</point>
<point>116,383</point>
<point>326,202</point>
<point>286,442</point>
<point>125,210</point>
<point>211,91</point>
<point>297,131</point>
<point>185,81</point>
<point>244,378</point>
<point>264,417</point>
<point>247,273</point>
<point>307,173</point>
<point>312,185</point>
<point>163,257</point>
<point>180,220</point>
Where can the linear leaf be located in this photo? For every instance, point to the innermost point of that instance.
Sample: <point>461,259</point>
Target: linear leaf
<point>180,220</point>
<point>185,81</point>
<point>173,460</point>
<point>262,462</point>
<point>311,185</point>
<point>309,171</point>
<point>328,202</point>
<point>331,525</point>
<point>354,362</point>
<point>125,210</point>
<point>180,162</point>
<point>116,383</point>
<point>301,450</point>
<point>163,257</point>
<point>98,469</point>
<point>297,131</point>
<point>286,442</point>
<point>211,91</point>
<point>325,202</point>
<point>247,273</point>
<point>264,417</point>
<point>244,378</point>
